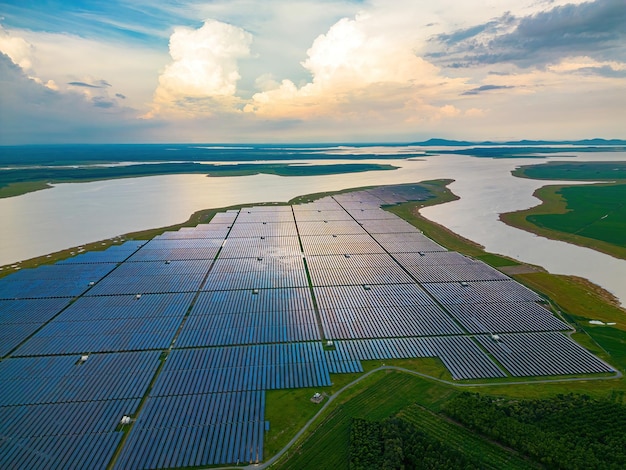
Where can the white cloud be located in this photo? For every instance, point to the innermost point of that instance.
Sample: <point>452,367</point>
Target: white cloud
<point>575,64</point>
<point>19,50</point>
<point>204,66</point>
<point>359,67</point>
<point>59,58</point>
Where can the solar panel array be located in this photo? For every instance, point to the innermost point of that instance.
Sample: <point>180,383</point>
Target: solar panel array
<point>233,317</point>
<point>208,318</point>
<point>196,430</point>
<point>548,353</point>
<point>116,323</point>
<point>59,412</point>
<point>21,318</point>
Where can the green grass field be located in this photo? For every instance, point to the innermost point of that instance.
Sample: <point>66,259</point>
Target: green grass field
<point>575,171</point>
<point>593,216</point>
<point>384,395</point>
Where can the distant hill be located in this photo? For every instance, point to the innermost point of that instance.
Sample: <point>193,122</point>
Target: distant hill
<point>462,143</point>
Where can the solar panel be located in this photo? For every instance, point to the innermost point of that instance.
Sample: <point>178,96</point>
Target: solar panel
<point>259,229</point>
<point>21,318</point>
<point>242,368</point>
<point>476,271</point>
<point>57,379</point>
<point>60,452</point>
<point>330,227</point>
<point>113,254</point>
<point>57,280</point>
<point>506,317</point>
<point>340,244</point>
<point>551,353</point>
<point>264,247</point>
<point>385,322</point>
<point>197,430</point>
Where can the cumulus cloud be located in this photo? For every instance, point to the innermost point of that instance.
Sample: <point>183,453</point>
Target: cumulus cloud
<point>359,69</point>
<point>18,49</point>
<point>204,70</point>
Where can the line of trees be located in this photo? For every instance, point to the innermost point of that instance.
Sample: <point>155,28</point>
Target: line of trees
<point>398,444</point>
<point>566,431</point>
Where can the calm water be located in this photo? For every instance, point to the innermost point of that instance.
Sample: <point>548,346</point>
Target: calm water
<point>73,214</point>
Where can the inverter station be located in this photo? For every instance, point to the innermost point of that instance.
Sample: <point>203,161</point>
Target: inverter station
<point>157,354</point>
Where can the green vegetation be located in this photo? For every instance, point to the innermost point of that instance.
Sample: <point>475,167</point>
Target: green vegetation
<point>23,180</point>
<point>593,216</point>
<point>575,171</point>
<point>396,443</point>
<point>465,441</point>
<point>594,436</point>
<point>16,189</point>
<point>377,397</point>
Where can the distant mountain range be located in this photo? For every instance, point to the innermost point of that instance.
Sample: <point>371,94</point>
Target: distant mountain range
<point>463,143</point>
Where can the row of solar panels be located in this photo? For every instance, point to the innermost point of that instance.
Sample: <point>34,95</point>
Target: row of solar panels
<point>196,430</point>
<point>521,355</point>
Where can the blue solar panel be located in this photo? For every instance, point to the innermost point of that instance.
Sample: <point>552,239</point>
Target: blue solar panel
<point>59,452</point>
<point>56,379</point>
<point>551,353</point>
<point>242,368</point>
<point>116,323</point>
<point>21,318</point>
<point>196,430</point>
<point>56,280</point>
<point>127,306</point>
<point>113,254</point>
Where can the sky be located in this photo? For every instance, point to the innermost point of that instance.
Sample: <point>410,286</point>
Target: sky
<point>142,71</point>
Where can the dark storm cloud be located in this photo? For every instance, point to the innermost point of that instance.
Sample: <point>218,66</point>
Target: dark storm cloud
<point>483,88</point>
<point>594,29</point>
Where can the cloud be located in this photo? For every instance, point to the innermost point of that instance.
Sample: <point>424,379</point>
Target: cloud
<point>204,71</point>
<point>87,85</point>
<point>32,112</point>
<point>483,88</point>
<point>360,68</point>
<point>591,28</point>
<point>588,66</point>
<point>18,49</point>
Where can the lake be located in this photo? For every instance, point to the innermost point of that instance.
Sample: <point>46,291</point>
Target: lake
<point>74,214</point>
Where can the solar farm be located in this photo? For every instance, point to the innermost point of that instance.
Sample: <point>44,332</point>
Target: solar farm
<point>158,354</point>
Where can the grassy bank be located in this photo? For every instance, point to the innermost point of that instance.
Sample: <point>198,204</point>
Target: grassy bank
<point>593,216</point>
<point>590,216</point>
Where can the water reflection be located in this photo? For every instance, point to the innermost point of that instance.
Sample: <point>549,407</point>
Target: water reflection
<point>73,214</point>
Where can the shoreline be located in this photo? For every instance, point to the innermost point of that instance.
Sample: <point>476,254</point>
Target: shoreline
<point>553,203</point>
<point>215,170</point>
<point>408,211</point>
